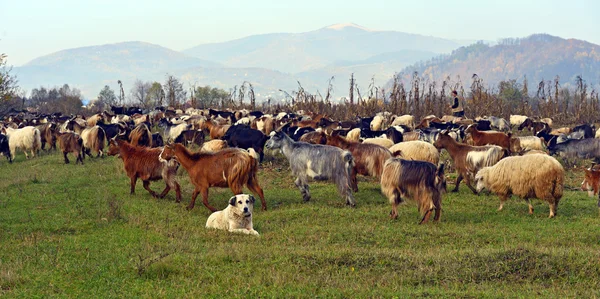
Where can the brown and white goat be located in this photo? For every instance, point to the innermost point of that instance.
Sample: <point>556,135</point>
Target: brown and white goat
<point>143,163</point>
<point>468,159</point>
<point>230,167</point>
<point>368,158</point>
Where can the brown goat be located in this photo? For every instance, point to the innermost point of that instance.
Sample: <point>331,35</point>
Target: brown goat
<point>215,131</point>
<point>368,158</point>
<point>48,135</point>
<point>71,143</point>
<point>314,138</point>
<point>468,159</point>
<point>492,137</point>
<point>230,167</point>
<point>144,163</point>
<point>423,181</point>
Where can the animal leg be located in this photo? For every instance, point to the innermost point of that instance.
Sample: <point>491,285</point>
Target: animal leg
<point>468,182</point>
<point>257,190</point>
<point>503,199</point>
<point>147,187</point>
<point>303,186</point>
<point>177,192</point>
<point>205,200</point>
<point>353,180</point>
<point>396,201</point>
<point>438,212</point>
<point>530,206</point>
<point>193,201</point>
<point>426,216</point>
<point>67,159</point>
<point>458,180</point>
<point>79,157</point>
<point>133,181</point>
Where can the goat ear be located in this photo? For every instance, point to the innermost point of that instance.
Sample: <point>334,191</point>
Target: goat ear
<point>232,201</point>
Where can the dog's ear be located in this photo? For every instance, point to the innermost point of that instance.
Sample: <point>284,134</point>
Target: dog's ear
<point>252,199</point>
<point>232,201</point>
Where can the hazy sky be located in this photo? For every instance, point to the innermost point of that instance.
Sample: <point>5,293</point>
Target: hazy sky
<point>31,28</point>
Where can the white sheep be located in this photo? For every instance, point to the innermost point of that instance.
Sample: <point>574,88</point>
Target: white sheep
<point>26,138</point>
<point>416,150</point>
<point>537,175</point>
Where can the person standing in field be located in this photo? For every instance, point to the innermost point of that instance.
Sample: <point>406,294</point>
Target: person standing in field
<point>457,107</point>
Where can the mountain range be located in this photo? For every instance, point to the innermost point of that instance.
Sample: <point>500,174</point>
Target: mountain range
<point>279,60</point>
<point>538,57</point>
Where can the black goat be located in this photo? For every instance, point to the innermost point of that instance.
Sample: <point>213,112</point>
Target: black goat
<point>243,136</point>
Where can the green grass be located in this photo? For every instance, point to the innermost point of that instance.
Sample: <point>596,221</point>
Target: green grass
<point>74,231</point>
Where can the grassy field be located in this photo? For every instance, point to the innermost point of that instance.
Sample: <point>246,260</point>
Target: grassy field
<point>74,231</point>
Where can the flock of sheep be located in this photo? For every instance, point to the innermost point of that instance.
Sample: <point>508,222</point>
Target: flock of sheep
<point>404,154</point>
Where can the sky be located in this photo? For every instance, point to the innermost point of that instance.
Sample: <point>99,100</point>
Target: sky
<point>32,28</point>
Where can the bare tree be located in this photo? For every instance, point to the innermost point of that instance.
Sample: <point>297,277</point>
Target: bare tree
<point>140,94</point>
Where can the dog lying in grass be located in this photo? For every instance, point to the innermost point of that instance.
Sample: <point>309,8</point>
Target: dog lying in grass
<point>236,218</point>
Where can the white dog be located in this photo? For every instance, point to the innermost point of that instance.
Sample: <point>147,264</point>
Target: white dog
<point>236,218</point>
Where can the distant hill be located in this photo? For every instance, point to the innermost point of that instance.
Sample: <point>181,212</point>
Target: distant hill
<point>90,68</point>
<point>300,52</point>
<point>538,57</point>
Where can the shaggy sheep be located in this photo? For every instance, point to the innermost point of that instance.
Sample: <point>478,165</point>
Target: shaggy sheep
<point>517,120</point>
<point>353,135</point>
<point>526,143</point>
<point>379,141</point>
<point>537,176</point>
<point>377,123</point>
<point>214,145</point>
<point>26,138</point>
<point>416,150</point>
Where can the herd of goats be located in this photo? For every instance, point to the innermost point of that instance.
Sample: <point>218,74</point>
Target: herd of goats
<point>401,151</point>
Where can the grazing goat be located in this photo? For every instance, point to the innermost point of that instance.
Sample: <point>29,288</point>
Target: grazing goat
<point>469,159</point>
<point>140,136</point>
<point>576,148</point>
<point>419,180</point>
<point>93,138</point>
<point>4,147</point>
<point>230,167</point>
<point>144,163</point>
<point>368,158</point>
<point>319,162</point>
<point>26,138</point>
<point>71,143</point>
<point>491,137</point>
<point>537,176</point>
<point>416,150</point>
